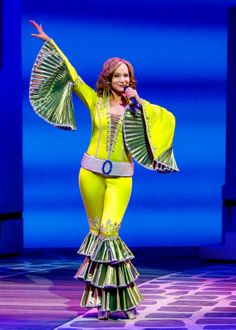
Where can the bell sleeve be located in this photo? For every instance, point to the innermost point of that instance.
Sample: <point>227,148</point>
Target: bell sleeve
<point>148,134</point>
<point>52,81</point>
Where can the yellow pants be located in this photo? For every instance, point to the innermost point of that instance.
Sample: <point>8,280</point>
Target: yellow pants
<point>105,200</point>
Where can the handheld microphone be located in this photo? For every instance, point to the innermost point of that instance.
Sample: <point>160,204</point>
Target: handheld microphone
<point>133,100</point>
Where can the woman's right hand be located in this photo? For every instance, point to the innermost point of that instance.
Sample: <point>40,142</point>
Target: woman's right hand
<point>41,34</point>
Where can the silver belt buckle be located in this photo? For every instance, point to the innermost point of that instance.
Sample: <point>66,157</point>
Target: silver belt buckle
<point>107,167</point>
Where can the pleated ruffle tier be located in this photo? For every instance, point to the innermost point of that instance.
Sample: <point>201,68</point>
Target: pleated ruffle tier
<point>104,275</point>
<point>112,300</point>
<point>109,274</point>
<point>110,250</point>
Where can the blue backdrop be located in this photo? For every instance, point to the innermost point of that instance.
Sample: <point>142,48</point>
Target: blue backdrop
<point>11,193</point>
<point>178,49</point>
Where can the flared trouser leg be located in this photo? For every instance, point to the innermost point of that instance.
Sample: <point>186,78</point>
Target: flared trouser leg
<point>107,269</point>
<point>105,200</point>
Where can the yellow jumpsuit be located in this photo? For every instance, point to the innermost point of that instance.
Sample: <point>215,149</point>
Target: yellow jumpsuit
<point>107,270</point>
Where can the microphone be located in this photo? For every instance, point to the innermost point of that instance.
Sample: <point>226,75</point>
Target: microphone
<point>134,102</point>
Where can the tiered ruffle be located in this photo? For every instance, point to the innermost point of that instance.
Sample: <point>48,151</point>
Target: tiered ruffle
<point>111,250</point>
<point>104,275</point>
<point>109,274</point>
<point>112,300</point>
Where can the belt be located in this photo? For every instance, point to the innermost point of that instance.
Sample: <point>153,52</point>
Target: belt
<point>107,167</point>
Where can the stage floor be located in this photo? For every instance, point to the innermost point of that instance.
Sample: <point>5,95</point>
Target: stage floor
<point>38,292</point>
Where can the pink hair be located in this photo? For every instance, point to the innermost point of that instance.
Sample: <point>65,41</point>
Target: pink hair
<point>108,69</point>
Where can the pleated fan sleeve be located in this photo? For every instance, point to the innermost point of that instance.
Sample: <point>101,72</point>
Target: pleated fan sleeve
<point>51,87</point>
<point>148,134</point>
<point>52,81</point>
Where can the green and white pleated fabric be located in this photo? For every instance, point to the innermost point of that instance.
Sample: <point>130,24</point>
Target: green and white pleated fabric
<point>147,146</point>
<point>51,86</point>
<point>109,274</point>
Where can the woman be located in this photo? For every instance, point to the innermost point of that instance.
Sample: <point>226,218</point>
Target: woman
<point>105,177</point>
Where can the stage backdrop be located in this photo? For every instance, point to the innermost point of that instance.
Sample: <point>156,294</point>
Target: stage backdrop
<point>178,49</point>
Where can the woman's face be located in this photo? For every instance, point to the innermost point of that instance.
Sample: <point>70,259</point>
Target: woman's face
<point>120,79</point>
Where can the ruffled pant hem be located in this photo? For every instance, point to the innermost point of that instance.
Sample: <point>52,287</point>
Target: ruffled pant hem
<point>109,274</point>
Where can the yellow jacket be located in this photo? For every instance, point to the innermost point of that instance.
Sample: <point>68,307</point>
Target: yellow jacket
<point>51,64</point>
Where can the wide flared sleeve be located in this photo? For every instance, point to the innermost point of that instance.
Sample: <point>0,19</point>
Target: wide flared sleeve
<point>148,134</point>
<point>52,81</point>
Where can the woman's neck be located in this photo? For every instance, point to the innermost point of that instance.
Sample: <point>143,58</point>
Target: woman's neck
<point>117,99</point>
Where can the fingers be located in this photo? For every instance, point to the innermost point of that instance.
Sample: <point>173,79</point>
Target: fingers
<point>130,92</point>
<point>33,23</point>
<point>36,35</point>
<point>128,89</point>
<point>38,27</point>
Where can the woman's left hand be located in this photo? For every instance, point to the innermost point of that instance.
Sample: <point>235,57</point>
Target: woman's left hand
<point>131,92</point>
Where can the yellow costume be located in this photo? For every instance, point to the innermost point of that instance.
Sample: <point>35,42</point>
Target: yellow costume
<point>105,178</point>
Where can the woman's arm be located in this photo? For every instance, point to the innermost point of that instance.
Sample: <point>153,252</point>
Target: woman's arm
<point>85,92</point>
<point>43,36</point>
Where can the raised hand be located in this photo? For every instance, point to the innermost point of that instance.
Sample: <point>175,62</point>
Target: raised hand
<point>41,34</point>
